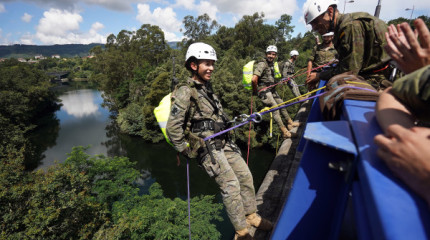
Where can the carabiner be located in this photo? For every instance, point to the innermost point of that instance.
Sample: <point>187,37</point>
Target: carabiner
<point>256,117</point>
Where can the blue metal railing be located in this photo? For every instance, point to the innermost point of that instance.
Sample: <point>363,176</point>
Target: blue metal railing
<point>339,164</point>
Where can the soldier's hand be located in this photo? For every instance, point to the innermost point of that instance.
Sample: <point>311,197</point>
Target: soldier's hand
<point>404,47</point>
<point>310,80</point>
<point>186,151</point>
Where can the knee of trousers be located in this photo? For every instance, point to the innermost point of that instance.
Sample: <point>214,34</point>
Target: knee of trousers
<point>229,185</point>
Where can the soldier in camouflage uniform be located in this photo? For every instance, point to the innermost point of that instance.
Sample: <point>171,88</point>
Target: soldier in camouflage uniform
<point>288,71</point>
<point>404,146</point>
<point>196,113</point>
<point>263,77</point>
<point>322,54</point>
<point>358,38</point>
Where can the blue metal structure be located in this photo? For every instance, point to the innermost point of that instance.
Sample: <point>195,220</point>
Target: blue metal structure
<point>339,164</point>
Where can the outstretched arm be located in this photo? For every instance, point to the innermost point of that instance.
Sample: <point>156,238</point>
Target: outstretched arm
<point>389,111</point>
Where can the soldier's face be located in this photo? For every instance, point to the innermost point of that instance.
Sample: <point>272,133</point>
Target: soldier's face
<point>321,24</point>
<point>270,56</point>
<point>327,39</point>
<point>205,69</point>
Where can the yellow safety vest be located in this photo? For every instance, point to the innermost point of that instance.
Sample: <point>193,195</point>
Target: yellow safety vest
<point>248,72</point>
<point>162,113</point>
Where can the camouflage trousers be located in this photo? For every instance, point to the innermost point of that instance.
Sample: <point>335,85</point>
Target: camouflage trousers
<point>235,182</point>
<point>294,87</point>
<point>271,99</point>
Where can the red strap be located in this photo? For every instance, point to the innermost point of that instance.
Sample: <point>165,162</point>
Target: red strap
<point>179,160</point>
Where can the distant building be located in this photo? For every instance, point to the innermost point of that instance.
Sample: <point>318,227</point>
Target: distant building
<point>2,59</point>
<point>39,57</point>
<point>22,60</point>
<point>32,61</point>
<point>55,56</point>
<point>86,57</point>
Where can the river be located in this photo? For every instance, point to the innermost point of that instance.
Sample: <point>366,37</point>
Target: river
<point>82,121</point>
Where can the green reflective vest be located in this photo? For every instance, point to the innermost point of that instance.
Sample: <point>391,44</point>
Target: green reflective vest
<point>248,72</point>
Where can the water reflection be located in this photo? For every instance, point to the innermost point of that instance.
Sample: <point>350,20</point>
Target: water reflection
<point>80,103</point>
<point>82,123</point>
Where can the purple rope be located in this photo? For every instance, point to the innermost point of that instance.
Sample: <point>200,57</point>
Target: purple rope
<point>188,193</point>
<point>253,116</point>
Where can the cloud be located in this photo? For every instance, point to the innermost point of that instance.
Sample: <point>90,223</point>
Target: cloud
<point>62,27</point>
<point>165,18</point>
<point>2,9</point>
<point>187,4</point>
<point>71,5</point>
<point>27,39</point>
<point>273,9</point>
<point>209,8</point>
<point>26,17</point>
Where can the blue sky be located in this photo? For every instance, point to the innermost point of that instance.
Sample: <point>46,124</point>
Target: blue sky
<point>47,22</point>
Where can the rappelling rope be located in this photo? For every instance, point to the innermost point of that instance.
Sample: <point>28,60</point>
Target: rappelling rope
<point>249,133</point>
<point>256,117</point>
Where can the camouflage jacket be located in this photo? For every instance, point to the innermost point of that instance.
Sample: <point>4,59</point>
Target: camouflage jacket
<point>288,68</point>
<point>414,91</point>
<point>322,55</point>
<point>189,106</point>
<point>359,39</point>
<point>265,72</point>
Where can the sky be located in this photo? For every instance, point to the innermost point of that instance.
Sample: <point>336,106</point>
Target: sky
<point>48,22</point>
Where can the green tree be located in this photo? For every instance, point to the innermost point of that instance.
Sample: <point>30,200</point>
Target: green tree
<point>197,29</point>
<point>25,98</point>
<point>284,27</point>
<point>94,197</point>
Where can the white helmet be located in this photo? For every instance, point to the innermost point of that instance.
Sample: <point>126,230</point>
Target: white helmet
<point>294,53</point>
<point>314,8</point>
<point>200,50</point>
<point>328,34</point>
<point>272,48</point>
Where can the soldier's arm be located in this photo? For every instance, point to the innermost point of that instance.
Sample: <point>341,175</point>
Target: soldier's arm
<point>407,100</point>
<point>351,51</point>
<point>309,67</point>
<point>254,83</point>
<point>176,123</point>
<point>258,72</point>
<point>286,69</point>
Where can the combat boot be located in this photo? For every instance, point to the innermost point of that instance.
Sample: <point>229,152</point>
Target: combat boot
<point>292,124</point>
<point>287,134</point>
<point>259,222</point>
<point>243,235</point>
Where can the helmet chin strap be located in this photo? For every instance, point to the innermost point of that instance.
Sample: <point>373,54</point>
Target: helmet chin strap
<point>331,27</point>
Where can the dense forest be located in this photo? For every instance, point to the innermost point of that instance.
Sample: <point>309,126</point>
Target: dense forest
<point>97,197</point>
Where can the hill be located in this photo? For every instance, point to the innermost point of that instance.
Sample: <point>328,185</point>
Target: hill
<point>29,51</point>
<point>64,50</point>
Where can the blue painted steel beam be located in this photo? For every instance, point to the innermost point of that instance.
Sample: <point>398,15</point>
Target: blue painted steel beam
<point>393,210</point>
<point>317,201</point>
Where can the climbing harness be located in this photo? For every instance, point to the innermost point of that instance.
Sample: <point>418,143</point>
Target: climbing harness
<point>288,79</point>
